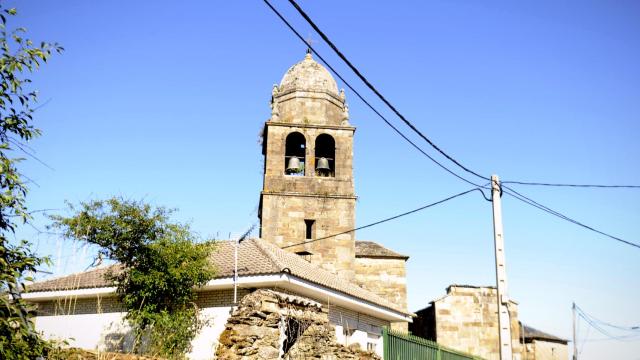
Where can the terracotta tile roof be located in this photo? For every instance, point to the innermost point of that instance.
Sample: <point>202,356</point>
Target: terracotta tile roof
<point>84,280</point>
<point>255,257</point>
<point>375,250</point>
<point>529,334</point>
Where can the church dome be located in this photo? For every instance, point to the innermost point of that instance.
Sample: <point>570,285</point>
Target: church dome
<point>308,75</point>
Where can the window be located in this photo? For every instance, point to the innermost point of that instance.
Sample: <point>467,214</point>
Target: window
<point>325,155</point>
<point>372,342</point>
<point>310,227</point>
<point>294,154</point>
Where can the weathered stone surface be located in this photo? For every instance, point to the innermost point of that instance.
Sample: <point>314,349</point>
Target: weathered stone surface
<point>308,102</point>
<point>466,319</point>
<point>303,330</point>
<point>383,276</point>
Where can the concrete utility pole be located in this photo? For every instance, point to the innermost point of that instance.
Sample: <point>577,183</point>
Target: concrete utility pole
<point>504,323</point>
<point>575,346</point>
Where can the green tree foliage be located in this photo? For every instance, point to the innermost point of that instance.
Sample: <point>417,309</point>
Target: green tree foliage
<point>162,262</point>
<point>18,57</point>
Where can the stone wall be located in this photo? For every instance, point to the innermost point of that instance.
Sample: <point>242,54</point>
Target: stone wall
<point>286,201</point>
<point>273,325</point>
<point>466,319</point>
<point>386,277</point>
<point>308,102</point>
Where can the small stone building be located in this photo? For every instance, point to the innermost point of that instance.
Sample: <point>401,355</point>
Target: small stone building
<point>538,345</point>
<point>466,319</point>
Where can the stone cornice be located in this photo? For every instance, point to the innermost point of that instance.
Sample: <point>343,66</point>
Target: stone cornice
<point>310,126</point>
<point>292,93</point>
<point>298,194</point>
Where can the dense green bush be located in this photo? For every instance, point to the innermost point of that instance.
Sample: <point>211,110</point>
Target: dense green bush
<point>162,263</point>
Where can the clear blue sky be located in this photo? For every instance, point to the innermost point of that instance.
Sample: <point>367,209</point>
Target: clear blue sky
<point>164,101</point>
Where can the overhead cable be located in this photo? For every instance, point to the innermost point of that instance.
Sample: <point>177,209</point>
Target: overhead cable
<point>635,328</point>
<point>511,192</point>
<point>378,94</point>
<point>574,185</point>
<point>594,324</point>
<point>414,128</point>
<point>529,201</point>
<point>393,127</point>
<point>387,219</point>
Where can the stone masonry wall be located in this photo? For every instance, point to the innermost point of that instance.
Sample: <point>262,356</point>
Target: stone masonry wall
<point>467,320</point>
<point>286,201</point>
<point>273,325</point>
<point>383,276</point>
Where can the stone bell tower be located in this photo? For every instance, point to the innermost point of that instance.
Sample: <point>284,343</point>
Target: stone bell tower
<point>308,190</point>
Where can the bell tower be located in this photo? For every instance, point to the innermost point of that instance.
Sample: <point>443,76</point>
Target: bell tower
<point>308,190</point>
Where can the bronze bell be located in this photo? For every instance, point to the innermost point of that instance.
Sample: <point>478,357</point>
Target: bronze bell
<point>294,165</point>
<point>323,164</point>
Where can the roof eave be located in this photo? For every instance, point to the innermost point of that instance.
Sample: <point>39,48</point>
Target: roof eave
<point>281,280</point>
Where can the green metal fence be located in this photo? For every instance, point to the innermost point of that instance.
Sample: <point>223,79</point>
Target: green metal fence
<point>401,346</point>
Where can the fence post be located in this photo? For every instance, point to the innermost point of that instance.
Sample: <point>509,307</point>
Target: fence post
<point>385,343</point>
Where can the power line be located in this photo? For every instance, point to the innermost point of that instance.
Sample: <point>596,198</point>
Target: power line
<point>414,128</point>
<point>363,99</point>
<point>593,322</point>
<point>380,96</point>
<point>537,205</point>
<point>511,192</point>
<point>387,219</point>
<point>635,328</point>
<point>573,185</point>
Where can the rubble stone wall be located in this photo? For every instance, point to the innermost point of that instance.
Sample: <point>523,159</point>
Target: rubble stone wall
<point>273,325</point>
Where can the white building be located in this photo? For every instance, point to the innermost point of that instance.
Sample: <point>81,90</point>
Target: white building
<point>84,307</point>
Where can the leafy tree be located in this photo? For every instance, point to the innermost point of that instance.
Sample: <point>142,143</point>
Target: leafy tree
<point>18,57</point>
<point>161,264</point>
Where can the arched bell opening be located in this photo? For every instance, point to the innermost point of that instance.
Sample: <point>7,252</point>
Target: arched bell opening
<point>294,154</point>
<point>325,156</point>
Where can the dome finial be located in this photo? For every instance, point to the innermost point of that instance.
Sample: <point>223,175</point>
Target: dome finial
<point>309,41</point>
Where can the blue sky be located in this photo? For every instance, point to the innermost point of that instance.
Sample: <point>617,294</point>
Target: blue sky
<point>163,101</point>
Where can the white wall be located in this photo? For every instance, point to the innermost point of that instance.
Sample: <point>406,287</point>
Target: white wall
<point>545,350</point>
<point>108,332</point>
<point>87,331</point>
<point>205,343</point>
<point>361,329</point>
